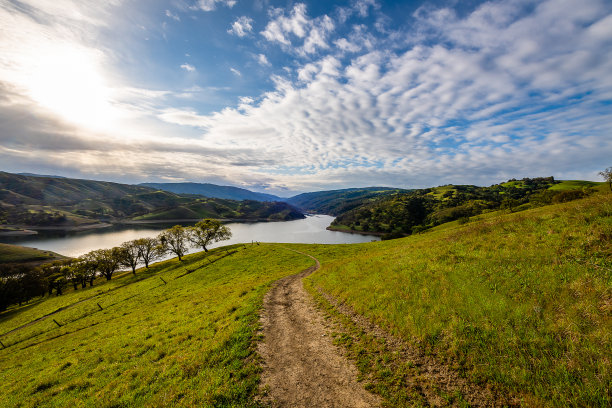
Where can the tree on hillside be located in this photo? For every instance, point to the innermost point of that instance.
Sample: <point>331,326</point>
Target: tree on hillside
<point>108,261</point>
<point>129,255</point>
<point>149,249</point>
<point>175,240</point>
<point>208,231</point>
<point>88,264</point>
<point>607,175</point>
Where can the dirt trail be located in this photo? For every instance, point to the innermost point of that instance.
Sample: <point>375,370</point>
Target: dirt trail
<point>302,368</point>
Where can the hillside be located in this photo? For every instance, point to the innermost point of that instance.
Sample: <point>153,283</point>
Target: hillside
<point>19,254</point>
<point>39,201</point>
<point>406,213</point>
<point>213,191</point>
<point>336,202</point>
<point>518,303</point>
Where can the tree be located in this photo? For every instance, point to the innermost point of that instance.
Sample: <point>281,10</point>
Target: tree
<point>149,249</point>
<point>129,255</point>
<point>208,231</point>
<point>107,260</point>
<point>607,175</point>
<point>175,240</point>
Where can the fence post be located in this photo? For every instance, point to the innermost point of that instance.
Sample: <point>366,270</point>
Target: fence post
<point>162,279</point>
<point>3,346</point>
<point>58,325</point>
<point>99,306</point>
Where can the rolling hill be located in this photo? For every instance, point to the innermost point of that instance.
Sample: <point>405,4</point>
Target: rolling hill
<point>38,201</point>
<point>517,303</point>
<point>213,191</point>
<point>336,202</point>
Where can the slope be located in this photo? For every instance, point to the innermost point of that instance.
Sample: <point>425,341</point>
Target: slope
<point>213,191</point>
<point>179,334</point>
<point>335,202</point>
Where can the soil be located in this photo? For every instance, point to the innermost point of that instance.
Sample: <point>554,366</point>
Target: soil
<point>302,368</point>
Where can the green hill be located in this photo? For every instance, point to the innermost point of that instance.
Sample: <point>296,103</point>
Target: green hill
<point>336,202</point>
<point>518,302</point>
<point>405,213</point>
<point>39,201</point>
<point>213,191</point>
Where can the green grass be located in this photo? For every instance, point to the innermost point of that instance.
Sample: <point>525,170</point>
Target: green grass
<point>19,254</point>
<point>522,301</point>
<point>565,185</point>
<point>189,342</point>
<point>519,301</point>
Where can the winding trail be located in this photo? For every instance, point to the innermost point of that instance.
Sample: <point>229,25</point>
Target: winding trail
<point>302,368</point>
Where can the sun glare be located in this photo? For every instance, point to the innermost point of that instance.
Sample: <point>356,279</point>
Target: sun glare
<point>67,80</point>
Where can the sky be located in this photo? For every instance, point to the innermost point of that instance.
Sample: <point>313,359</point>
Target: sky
<point>285,97</point>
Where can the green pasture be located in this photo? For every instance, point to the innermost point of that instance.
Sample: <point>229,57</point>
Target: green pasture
<point>179,334</point>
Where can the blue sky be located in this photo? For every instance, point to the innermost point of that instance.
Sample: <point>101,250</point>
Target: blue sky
<point>293,96</point>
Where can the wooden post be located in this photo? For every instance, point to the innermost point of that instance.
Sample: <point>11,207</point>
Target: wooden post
<point>3,346</point>
<point>58,325</point>
<point>99,306</point>
<point>162,279</point>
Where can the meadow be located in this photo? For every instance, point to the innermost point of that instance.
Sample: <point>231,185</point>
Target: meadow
<point>179,334</point>
<point>519,302</point>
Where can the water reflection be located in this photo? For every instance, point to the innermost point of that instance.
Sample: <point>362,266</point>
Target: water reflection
<point>310,230</point>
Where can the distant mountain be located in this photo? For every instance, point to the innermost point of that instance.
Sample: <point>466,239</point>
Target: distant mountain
<point>213,191</point>
<point>37,201</point>
<point>39,175</point>
<point>336,202</point>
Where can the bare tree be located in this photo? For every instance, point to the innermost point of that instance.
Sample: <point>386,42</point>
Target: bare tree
<point>208,231</point>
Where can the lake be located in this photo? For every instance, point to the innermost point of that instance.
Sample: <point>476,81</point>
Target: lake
<point>310,230</point>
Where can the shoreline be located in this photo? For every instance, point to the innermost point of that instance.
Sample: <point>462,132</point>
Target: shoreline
<point>350,231</point>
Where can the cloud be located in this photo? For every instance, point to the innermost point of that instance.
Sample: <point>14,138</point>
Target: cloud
<point>172,16</point>
<point>188,67</point>
<point>210,5</point>
<point>363,6</point>
<point>508,94</point>
<point>235,72</point>
<point>242,26</point>
<point>312,32</point>
<point>262,60</point>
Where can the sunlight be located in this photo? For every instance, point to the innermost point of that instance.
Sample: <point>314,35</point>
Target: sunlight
<point>67,80</point>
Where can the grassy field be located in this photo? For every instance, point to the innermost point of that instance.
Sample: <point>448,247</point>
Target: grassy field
<point>519,301</point>
<point>522,301</point>
<point>138,341</point>
<point>18,254</point>
<point>565,185</point>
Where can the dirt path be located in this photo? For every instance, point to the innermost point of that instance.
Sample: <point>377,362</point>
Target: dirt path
<point>302,368</point>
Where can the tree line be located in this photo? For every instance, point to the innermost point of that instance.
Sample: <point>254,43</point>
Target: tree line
<point>21,282</point>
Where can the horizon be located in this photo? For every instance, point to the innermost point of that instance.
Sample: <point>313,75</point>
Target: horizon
<point>283,97</point>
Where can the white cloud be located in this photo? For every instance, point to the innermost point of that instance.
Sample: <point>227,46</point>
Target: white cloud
<point>363,6</point>
<point>169,14</point>
<point>235,72</point>
<point>242,26</point>
<point>493,106</point>
<point>263,60</point>
<point>188,67</point>
<point>313,32</point>
<point>210,5</point>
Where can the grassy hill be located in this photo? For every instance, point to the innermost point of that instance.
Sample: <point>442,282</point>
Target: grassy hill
<point>63,202</point>
<point>520,302</point>
<point>20,254</point>
<point>336,202</point>
<point>405,213</point>
<point>213,191</point>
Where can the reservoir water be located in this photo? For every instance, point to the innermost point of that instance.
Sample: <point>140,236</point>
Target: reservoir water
<point>310,230</point>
